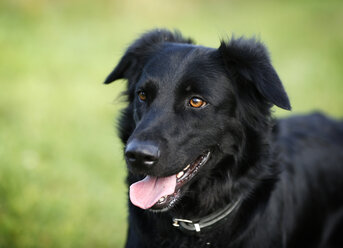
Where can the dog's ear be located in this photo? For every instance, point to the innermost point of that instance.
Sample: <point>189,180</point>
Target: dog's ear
<point>131,64</point>
<point>248,64</point>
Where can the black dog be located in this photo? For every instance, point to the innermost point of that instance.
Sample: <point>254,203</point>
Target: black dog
<point>208,166</point>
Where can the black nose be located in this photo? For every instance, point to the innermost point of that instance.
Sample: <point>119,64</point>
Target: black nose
<point>140,153</point>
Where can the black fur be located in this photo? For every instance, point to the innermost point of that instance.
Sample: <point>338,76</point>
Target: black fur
<point>288,173</point>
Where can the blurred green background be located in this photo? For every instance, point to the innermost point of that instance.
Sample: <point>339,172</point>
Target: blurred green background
<point>61,167</point>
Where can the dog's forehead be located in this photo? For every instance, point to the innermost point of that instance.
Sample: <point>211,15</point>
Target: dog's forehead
<point>175,61</point>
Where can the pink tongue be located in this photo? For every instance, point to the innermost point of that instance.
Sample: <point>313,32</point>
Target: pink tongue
<point>147,192</point>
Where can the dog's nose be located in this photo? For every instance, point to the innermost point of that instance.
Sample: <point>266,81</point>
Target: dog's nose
<point>142,153</point>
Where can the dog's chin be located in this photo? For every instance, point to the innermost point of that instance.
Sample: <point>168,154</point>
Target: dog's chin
<point>183,179</point>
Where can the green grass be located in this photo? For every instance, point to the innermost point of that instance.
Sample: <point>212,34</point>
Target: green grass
<point>61,167</point>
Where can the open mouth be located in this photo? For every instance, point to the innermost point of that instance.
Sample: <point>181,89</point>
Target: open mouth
<point>161,193</point>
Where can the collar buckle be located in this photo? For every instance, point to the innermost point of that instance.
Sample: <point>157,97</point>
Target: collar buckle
<point>183,222</point>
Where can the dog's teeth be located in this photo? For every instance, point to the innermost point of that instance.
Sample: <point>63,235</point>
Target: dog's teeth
<point>161,199</point>
<point>187,167</point>
<point>180,174</point>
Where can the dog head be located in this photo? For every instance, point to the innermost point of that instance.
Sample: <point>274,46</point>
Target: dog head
<point>189,107</point>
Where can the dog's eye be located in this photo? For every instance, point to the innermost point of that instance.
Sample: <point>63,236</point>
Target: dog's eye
<point>142,96</point>
<point>197,102</point>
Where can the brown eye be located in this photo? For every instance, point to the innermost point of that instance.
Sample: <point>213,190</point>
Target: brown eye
<point>142,96</point>
<point>197,102</point>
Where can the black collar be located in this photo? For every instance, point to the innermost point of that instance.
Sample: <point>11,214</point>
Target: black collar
<point>207,222</point>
